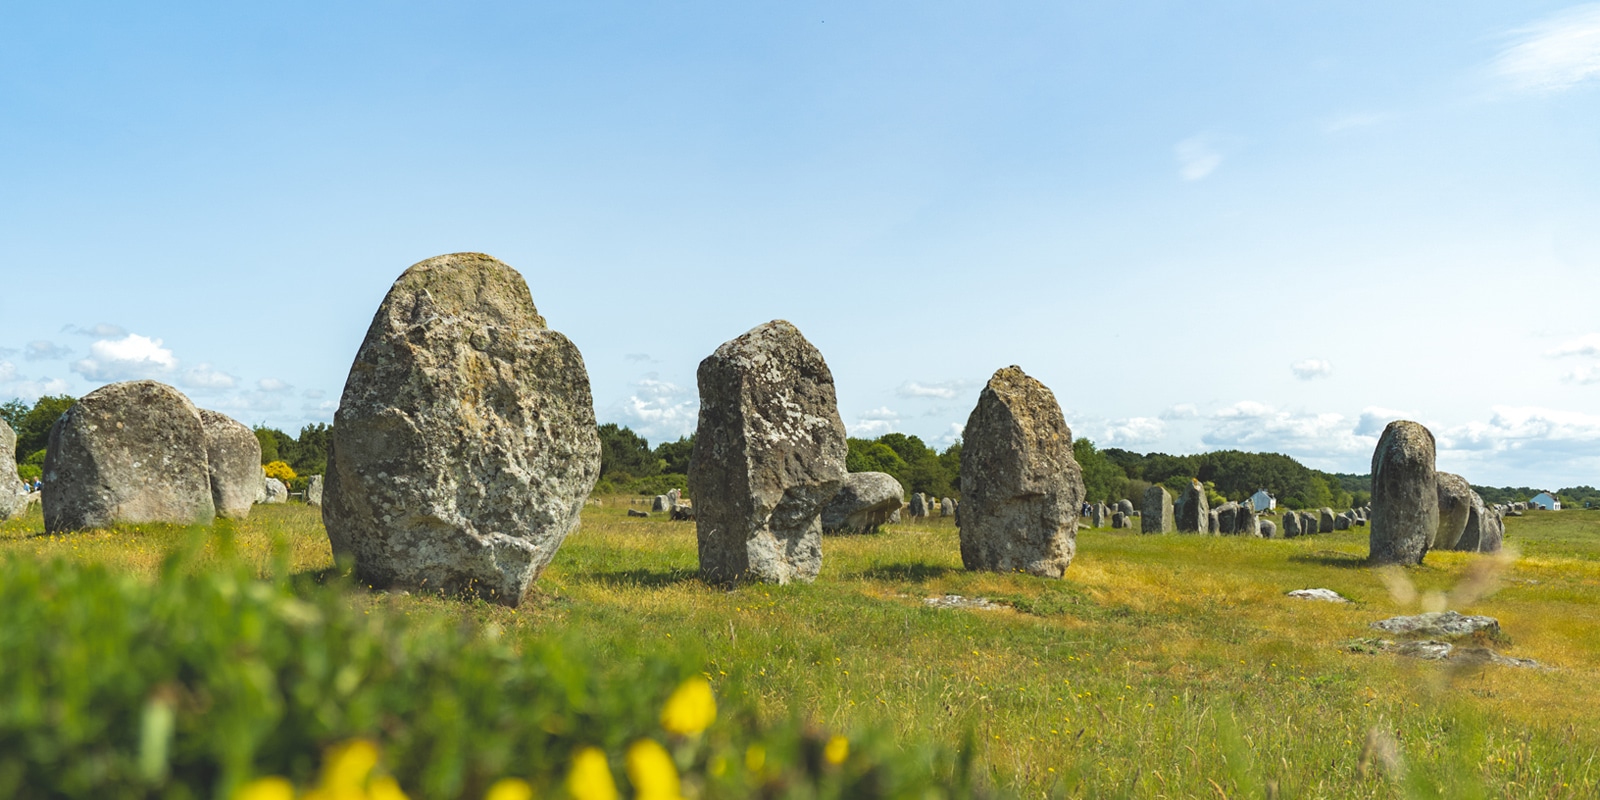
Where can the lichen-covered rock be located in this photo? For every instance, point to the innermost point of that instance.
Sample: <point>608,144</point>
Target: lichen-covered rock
<point>1440,625</point>
<point>1405,495</point>
<point>465,443</point>
<point>127,452</point>
<point>1121,520</point>
<point>13,498</point>
<point>1341,522</point>
<point>314,491</point>
<point>769,453</point>
<point>233,461</point>
<point>1455,504</point>
<point>1021,488</point>
<point>1245,521</point>
<point>1291,525</point>
<point>1485,528</point>
<point>1226,514</point>
<point>919,505</point>
<point>1194,510</point>
<point>1311,522</point>
<point>1156,511</point>
<point>947,507</point>
<point>1325,523</point>
<point>865,501</point>
<point>1125,506</point>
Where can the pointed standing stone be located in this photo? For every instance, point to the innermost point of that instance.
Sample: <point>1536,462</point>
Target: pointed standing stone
<point>1021,488</point>
<point>464,446</point>
<point>1291,525</point>
<point>1405,495</point>
<point>1196,512</point>
<point>1455,505</point>
<point>769,453</point>
<point>233,459</point>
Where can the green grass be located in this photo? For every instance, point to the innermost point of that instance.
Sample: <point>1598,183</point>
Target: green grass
<point>1161,666</point>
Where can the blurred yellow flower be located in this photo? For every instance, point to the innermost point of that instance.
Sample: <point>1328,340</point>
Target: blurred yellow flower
<point>691,708</point>
<point>590,778</point>
<point>836,750</point>
<point>348,765</point>
<point>266,789</point>
<point>384,787</point>
<point>652,773</point>
<point>510,789</point>
<point>755,757</point>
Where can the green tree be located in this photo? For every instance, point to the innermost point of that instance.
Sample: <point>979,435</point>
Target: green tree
<point>625,453</point>
<point>33,430</point>
<point>269,444</point>
<point>674,456</point>
<point>311,449</point>
<point>12,411</point>
<point>1103,479</point>
<point>866,455</point>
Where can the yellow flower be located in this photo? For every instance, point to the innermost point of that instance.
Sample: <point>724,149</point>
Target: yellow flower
<point>755,757</point>
<point>836,750</point>
<point>385,788</point>
<point>266,789</point>
<point>590,778</point>
<point>349,764</point>
<point>691,708</point>
<point>510,789</point>
<point>651,771</point>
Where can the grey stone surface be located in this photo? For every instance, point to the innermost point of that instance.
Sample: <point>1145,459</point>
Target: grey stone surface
<point>1328,595</point>
<point>1245,521</point>
<point>233,462</point>
<point>1455,504</point>
<point>1405,497</point>
<point>865,501</point>
<point>1310,522</point>
<point>1213,522</point>
<point>1120,520</point>
<point>1156,512</point>
<point>1194,510</point>
<point>274,490</point>
<point>634,512</point>
<point>1021,488</point>
<point>768,455</point>
<point>127,452</point>
<point>919,505</point>
<point>1439,625</point>
<point>13,500</point>
<point>465,443</point>
<point>1227,514</point>
<point>1099,515</point>
<point>1325,520</point>
<point>661,502</point>
<point>1341,522</point>
<point>1125,506</point>
<point>1269,529</point>
<point>1485,528</point>
<point>314,491</point>
<point>1291,525</point>
<point>947,507</point>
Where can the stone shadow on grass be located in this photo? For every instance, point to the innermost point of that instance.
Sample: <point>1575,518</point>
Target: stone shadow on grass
<point>908,573</point>
<point>650,578</point>
<point>1331,558</point>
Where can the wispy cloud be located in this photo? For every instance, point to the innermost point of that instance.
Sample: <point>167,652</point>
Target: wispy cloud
<point>41,350</point>
<point>874,423</point>
<point>659,410</point>
<point>203,376</point>
<point>1133,431</point>
<point>1555,53</point>
<point>1311,368</point>
<point>638,358</point>
<point>1181,411</point>
<point>273,386</point>
<point>1197,157</point>
<point>942,390</point>
<point>102,330</point>
<point>1587,345</point>
<point>1583,376</point>
<point>1252,425</point>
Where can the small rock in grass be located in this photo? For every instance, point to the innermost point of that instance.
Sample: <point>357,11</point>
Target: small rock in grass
<point>1440,625</point>
<point>957,601</point>
<point>1319,594</point>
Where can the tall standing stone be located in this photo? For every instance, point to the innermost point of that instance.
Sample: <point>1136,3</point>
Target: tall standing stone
<point>1245,521</point>
<point>947,507</point>
<point>1455,505</point>
<point>1155,513</point>
<point>1213,522</point>
<point>1310,523</point>
<point>1405,495</point>
<point>13,502</point>
<point>919,505</point>
<point>1021,488</point>
<point>233,461</point>
<point>769,453</point>
<point>1325,520</point>
<point>1226,514</point>
<point>1291,525</point>
<point>1196,511</point>
<point>314,491</point>
<point>127,452</point>
<point>1485,526</point>
<point>464,446</point>
<point>1098,515</point>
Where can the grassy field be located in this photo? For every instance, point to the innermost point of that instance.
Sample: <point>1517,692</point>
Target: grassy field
<point>1162,666</point>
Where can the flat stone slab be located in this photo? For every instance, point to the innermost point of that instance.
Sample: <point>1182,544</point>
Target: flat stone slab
<point>1439,625</point>
<point>957,601</point>
<point>1435,650</point>
<point>1320,594</point>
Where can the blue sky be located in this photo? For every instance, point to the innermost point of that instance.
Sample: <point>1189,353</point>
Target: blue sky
<point>1265,226</point>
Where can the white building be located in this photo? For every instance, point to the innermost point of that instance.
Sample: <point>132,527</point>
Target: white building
<point>1263,501</point>
<point>1546,501</point>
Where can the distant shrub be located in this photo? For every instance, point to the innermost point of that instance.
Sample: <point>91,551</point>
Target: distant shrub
<point>29,472</point>
<point>659,484</point>
<point>279,470</point>
<point>208,680</point>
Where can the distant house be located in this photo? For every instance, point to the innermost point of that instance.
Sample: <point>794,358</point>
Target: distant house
<point>1263,501</point>
<point>1546,501</point>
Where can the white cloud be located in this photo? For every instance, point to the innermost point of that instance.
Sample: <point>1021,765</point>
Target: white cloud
<point>1555,53</point>
<point>875,423</point>
<point>1588,345</point>
<point>639,358</point>
<point>272,386</point>
<point>8,372</point>
<point>1524,427</point>
<point>41,350</point>
<point>659,410</point>
<point>1256,426</point>
<point>1583,376</point>
<point>942,390</point>
<point>1134,430</point>
<point>203,376</point>
<point>103,330</point>
<point>1197,158</point>
<point>129,358</point>
<point>1310,368</point>
<point>1374,419</point>
<point>1181,411</point>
